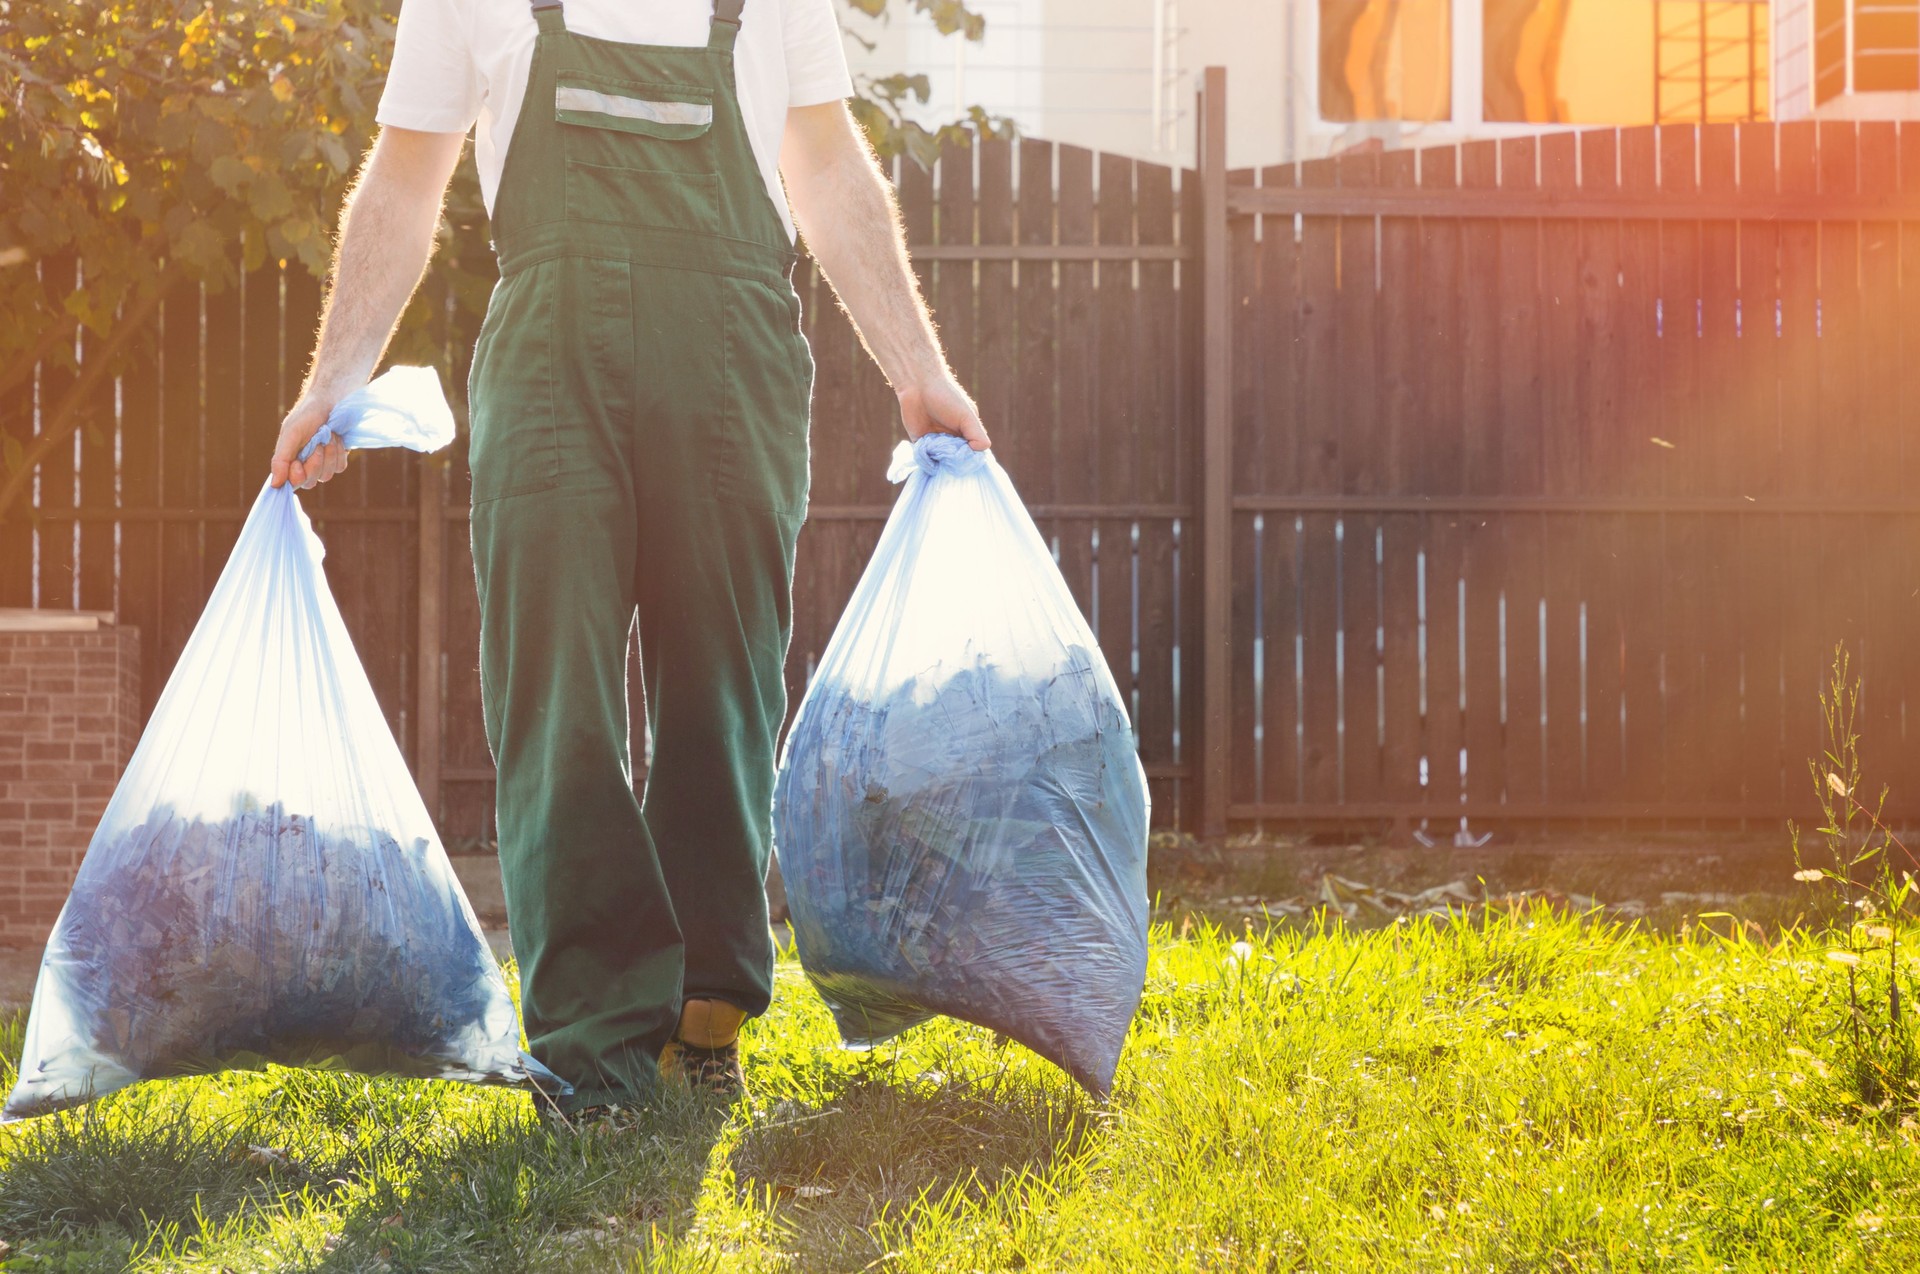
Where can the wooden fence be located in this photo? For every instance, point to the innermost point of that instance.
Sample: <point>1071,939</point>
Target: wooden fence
<point>1556,468</point>
<point>1519,481</point>
<point>1055,275</point>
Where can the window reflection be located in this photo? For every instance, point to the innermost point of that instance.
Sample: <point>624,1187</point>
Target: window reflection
<point>1386,59</point>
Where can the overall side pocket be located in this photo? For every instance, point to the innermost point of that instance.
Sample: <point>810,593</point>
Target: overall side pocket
<point>514,447</point>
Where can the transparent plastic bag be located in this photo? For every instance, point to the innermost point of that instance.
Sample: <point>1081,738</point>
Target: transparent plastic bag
<point>961,816</point>
<point>266,884</point>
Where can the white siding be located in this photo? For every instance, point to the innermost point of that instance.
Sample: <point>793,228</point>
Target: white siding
<point>1792,59</point>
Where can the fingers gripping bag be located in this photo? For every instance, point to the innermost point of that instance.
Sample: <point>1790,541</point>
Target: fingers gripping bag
<point>266,884</point>
<point>960,815</point>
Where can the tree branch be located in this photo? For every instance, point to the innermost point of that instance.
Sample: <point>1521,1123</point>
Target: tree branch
<point>66,414</point>
<point>22,367</point>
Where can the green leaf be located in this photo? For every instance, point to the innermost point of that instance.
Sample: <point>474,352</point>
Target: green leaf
<point>229,173</point>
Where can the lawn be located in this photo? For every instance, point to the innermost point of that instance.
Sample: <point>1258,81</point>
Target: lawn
<point>1522,1091</point>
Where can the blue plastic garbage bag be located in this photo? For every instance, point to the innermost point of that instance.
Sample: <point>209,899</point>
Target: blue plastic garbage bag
<point>961,816</point>
<point>266,884</point>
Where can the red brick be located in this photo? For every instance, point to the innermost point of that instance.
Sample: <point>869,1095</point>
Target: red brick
<point>55,772</point>
<point>49,811</point>
<point>49,750</point>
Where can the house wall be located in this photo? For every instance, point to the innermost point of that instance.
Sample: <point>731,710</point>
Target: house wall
<point>1792,59</point>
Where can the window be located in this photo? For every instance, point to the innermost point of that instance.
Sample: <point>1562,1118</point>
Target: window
<point>1711,61</point>
<point>1624,61</point>
<point>1568,61</point>
<point>1865,46</point>
<point>1386,59</point>
<point>1886,46</point>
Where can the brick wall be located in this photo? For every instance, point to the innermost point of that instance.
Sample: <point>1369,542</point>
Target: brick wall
<point>69,718</point>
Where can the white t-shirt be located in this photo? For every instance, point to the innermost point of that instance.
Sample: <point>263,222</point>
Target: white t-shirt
<point>460,64</point>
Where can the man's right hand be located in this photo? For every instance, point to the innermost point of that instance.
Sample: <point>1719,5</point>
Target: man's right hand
<point>386,236</point>
<point>301,424</point>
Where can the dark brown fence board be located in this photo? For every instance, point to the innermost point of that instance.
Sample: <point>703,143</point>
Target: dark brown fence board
<point>1841,453</point>
<point>182,586</point>
<point>1363,659</point>
<point>996,333</point>
<point>1437,452</point>
<point>1319,608</point>
<point>953,291</point>
<point>1481,312</point>
<point>17,531</point>
<point>1252,429</point>
<point>1607,602</point>
<point>1160,436</point>
<point>97,550</point>
<point>1450,559</point>
<point>1317,342</point>
<point>1405,737</point>
<point>1362,452</point>
<point>1281,776</point>
<point>1075,472</point>
<point>1567,706</point>
<point>1599,328</point>
<point>1115,441</point>
<point>1524,536</point>
<point>1636,461</point>
<point>1397,335</point>
<point>1520,328</point>
<point>1029,451</point>
<point>1803,651</point>
<point>58,566</point>
<point>1565,364</point>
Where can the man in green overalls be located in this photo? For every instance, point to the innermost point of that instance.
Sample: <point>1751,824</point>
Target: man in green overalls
<point>639,444</point>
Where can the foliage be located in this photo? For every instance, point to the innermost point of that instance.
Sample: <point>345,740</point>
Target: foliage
<point>1522,1090</point>
<point>148,142</point>
<point>1873,891</point>
<point>882,103</point>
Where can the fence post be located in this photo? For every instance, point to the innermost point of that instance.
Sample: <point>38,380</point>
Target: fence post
<point>1216,465</point>
<point>1216,523</point>
<point>430,635</point>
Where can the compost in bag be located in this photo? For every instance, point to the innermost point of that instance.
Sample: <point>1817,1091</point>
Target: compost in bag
<point>961,815</point>
<point>266,884</point>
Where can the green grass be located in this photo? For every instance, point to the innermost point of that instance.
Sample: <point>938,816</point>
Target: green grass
<point>1526,1092</point>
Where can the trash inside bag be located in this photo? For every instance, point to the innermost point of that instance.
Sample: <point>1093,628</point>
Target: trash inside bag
<point>961,816</point>
<point>266,884</point>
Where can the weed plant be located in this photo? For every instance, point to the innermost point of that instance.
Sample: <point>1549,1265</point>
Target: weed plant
<point>1867,872</point>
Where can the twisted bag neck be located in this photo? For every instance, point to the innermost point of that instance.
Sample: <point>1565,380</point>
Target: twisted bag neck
<point>936,455</point>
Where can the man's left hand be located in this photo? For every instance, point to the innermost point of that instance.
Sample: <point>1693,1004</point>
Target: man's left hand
<point>939,405</point>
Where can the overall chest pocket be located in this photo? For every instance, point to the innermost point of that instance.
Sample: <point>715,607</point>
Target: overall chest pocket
<point>638,153</point>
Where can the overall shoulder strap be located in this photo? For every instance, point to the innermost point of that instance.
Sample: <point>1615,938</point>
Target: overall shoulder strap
<point>550,15</point>
<point>728,10</point>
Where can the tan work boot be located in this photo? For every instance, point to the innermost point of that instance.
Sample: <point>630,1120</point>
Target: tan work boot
<point>703,1056</point>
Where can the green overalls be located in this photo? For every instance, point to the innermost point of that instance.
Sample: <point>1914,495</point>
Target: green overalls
<point>639,412</point>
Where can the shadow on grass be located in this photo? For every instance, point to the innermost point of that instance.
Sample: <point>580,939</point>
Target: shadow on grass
<point>844,1176</point>
<point>334,1173</point>
<point>517,1197</point>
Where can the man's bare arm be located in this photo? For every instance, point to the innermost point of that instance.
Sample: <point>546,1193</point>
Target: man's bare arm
<point>845,208</point>
<point>386,238</point>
